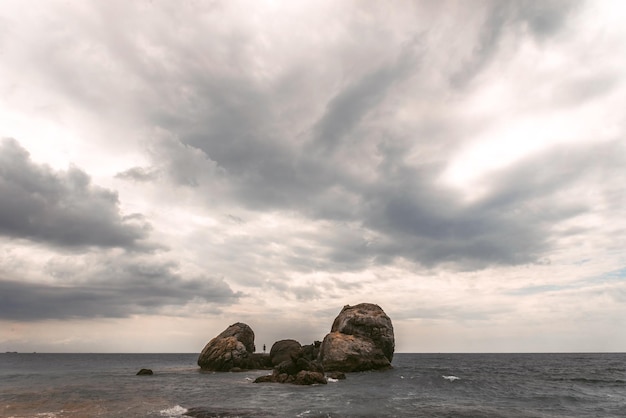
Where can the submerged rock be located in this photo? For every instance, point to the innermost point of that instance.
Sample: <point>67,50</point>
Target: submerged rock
<point>361,338</point>
<point>145,372</point>
<point>336,375</point>
<point>200,412</point>
<point>232,349</point>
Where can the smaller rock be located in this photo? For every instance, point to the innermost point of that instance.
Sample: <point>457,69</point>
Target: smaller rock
<point>305,377</point>
<point>336,375</point>
<point>145,372</point>
<point>297,370</point>
<point>264,379</point>
<point>311,351</point>
<point>287,367</point>
<point>284,350</point>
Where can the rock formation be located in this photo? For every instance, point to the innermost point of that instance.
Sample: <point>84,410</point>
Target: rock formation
<point>283,350</point>
<point>361,338</point>
<point>233,349</point>
<point>145,372</point>
<point>297,368</point>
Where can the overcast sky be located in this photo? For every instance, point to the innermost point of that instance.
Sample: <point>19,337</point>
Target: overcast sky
<point>169,168</point>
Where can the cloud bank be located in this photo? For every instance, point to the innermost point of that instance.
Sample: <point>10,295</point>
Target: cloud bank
<point>230,160</point>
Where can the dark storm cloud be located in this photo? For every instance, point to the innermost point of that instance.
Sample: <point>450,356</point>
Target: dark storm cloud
<point>62,208</point>
<point>542,18</point>
<point>511,224</point>
<point>400,203</point>
<point>325,145</point>
<point>405,215</point>
<point>345,110</point>
<point>111,288</point>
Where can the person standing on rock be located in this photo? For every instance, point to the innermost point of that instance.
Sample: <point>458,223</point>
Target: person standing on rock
<point>264,348</point>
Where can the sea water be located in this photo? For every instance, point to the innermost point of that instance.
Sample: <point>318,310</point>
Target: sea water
<point>419,385</point>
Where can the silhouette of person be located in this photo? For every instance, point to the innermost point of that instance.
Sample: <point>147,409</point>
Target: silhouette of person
<point>264,348</point>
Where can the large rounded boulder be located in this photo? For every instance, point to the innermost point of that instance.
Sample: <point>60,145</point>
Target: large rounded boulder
<point>361,338</point>
<point>348,353</point>
<point>232,349</point>
<point>284,350</point>
<point>367,320</point>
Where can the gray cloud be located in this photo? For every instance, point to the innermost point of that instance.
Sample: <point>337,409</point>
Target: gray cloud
<point>245,124</point>
<point>511,225</point>
<point>139,174</point>
<point>111,287</point>
<point>346,109</point>
<point>510,17</point>
<point>62,208</point>
<point>348,166</point>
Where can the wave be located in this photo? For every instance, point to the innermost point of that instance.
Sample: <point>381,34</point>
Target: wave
<point>175,411</point>
<point>451,378</point>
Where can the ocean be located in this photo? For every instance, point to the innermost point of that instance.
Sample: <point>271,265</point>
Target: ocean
<point>419,385</point>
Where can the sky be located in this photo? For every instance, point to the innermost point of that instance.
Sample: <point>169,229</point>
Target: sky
<point>170,168</point>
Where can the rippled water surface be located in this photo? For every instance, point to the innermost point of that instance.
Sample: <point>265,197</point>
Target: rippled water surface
<point>428,385</point>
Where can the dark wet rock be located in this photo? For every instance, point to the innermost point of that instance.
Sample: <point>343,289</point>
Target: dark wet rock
<point>306,377</point>
<point>258,361</point>
<point>233,348</point>
<point>287,367</point>
<point>348,353</point>
<point>303,377</point>
<point>145,372</point>
<point>283,350</point>
<point>265,379</point>
<point>310,365</point>
<point>336,375</point>
<point>297,369</point>
<point>200,412</point>
<point>311,351</point>
<point>361,338</point>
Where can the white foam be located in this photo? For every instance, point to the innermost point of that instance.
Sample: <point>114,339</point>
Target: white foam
<point>330,379</point>
<point>175,411</point>
<point>451,378</point>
